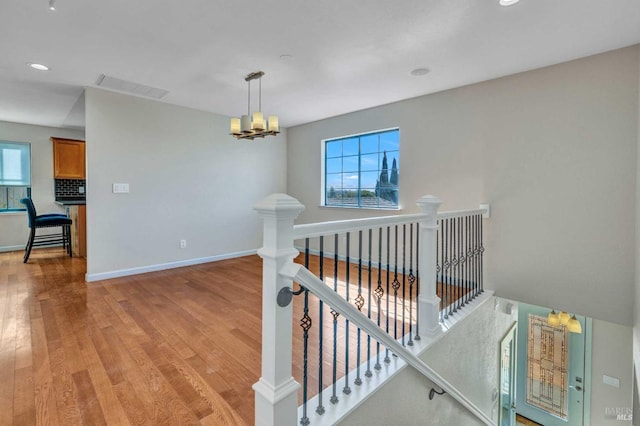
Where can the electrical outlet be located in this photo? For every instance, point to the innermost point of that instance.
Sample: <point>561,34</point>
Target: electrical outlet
<point>183,243</point>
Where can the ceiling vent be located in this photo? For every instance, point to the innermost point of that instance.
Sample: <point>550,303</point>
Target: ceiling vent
<point>113,83</point>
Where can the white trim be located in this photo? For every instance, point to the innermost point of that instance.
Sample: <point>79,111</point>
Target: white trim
<point>309,230</point>
<point>11,248</point>
<point>162,266</point>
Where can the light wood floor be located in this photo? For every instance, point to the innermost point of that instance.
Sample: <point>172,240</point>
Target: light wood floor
<point>173,347</point>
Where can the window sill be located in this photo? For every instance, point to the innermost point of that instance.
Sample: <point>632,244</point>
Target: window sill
<point>13,213</point>
<point>377,209</point>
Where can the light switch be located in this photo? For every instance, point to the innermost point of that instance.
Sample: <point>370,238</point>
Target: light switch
<point>120,188</point>
<point>611,381</point>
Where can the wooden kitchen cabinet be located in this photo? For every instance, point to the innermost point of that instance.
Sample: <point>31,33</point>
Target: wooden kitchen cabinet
<point>78,215</point>
<point>68,159</point>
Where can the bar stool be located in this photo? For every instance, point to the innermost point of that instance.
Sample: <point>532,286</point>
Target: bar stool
<point>49,220</point>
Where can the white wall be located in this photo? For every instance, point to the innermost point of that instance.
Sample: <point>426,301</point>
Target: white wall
<point>553,150</point>
<point>611,354</point>
<point>188,180</point>
<point>13,226</point>
<point>636,306</point>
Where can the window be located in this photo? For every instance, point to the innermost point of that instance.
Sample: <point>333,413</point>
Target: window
<point>15,174</point>
<point>362,170</point>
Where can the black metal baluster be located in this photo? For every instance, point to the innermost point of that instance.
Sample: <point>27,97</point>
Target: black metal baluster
<point>368,372</point>
<point>412,280</point>
<point>347,389</point>
<point>379,294</point>
<point>460,282</point>
<point>395,284</point>
<point>470,261</point>
<point>445,268</point>
<point>467,260</point>
<point>305,323</point>
<point>386,356</point>
<point>334,396</point>
<point>404,276</point>
<point>475,258</point>
<point>320,407</point>
<point>417,282</point>
<point>454,265</point>
<point>359,304</point>
<point>440,263</point>
<point>481,255</point>
<point>465,264</point>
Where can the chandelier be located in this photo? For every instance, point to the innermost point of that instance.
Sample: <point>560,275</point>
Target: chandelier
<point>252,126</point>
<point>563,318</point>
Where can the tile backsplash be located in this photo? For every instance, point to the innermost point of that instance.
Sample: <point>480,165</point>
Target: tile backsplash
<point>67,188</point>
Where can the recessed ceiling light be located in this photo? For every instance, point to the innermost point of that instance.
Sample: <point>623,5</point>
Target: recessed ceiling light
<point>52,5</point>
<point>508,2</point>
<point>419,71</point>
<point>38,67</point>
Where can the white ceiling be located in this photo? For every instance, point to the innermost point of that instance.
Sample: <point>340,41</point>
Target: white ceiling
<point>345,55</point>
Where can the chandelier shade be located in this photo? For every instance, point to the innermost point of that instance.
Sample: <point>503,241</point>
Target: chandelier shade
<point>564,319</point>
<point>253,125</point>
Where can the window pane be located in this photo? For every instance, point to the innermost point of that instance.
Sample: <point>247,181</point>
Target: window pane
<point>334,165</point>
<point>333,149</point>
<point>389,141</point>
<point>15,164</point>
<point>368,179</point>
<point>350,164</point>
<point>334,179</point>
<point>10,197</point>
<point>350,146</point>
<point>350,181</point>
<point>369,143</point>
<point>368,198</point>
<point>11,164</point>
<point>369,162</point>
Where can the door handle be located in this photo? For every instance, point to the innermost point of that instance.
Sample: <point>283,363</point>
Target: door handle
<point>576,388</point>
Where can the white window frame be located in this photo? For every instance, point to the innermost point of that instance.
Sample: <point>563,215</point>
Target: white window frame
<point>25,178</point>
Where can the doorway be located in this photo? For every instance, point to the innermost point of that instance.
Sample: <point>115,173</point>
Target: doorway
<point>508,364</point>
<point>552,375</point>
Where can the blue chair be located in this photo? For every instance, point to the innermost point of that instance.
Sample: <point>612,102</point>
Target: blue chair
<point>49,220</point>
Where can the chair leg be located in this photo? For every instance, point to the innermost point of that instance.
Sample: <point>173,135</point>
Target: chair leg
<point>27,250</point>
<point>68,240</point>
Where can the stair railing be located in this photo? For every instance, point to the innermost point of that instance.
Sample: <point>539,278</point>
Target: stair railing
<point>276,391</point>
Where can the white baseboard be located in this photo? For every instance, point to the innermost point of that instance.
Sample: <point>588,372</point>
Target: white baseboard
<point>162,266</point>
<point>11,248</point>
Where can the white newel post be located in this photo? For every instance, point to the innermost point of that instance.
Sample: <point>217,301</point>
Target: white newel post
<point>276,393</point>
<point>429,302</point>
